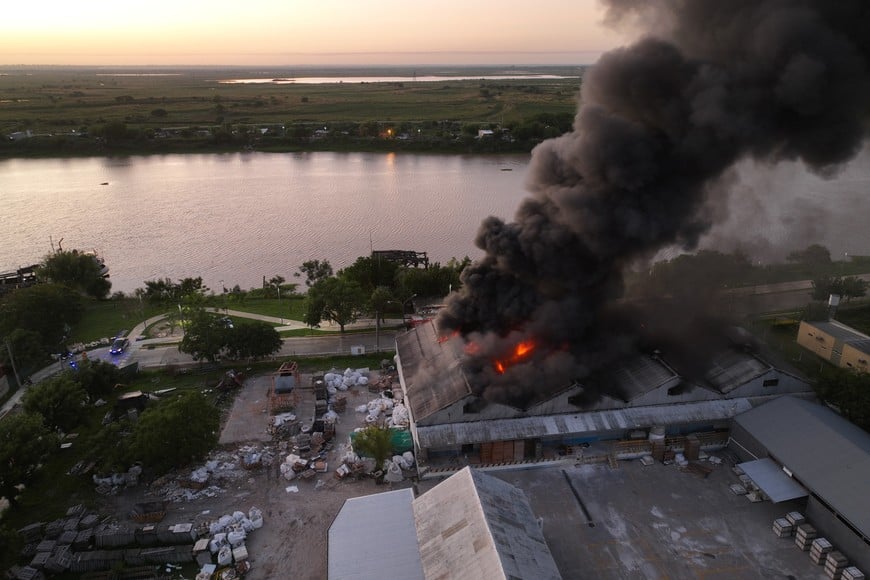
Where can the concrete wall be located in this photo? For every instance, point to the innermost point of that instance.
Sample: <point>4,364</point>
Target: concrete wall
<point>745,445</point>
<point>819,342</point>
<point>840,535</point>
<point>855,359</point>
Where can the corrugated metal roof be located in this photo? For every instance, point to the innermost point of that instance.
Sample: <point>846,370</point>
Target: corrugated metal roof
<point>827,454</point>
<point>431,369</point>
<point>731,369</point>
<point>373,537</point>
<point>639,375</point>
<point>452,434</point>
<point>772,480</point>
<point>473,525</point>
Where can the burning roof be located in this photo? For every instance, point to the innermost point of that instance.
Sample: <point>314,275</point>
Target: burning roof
<point>660,124</point>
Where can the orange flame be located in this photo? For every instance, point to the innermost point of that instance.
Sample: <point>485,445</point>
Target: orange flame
<point>520,352</point>
<point>472,348</point>
<point>445,337</point>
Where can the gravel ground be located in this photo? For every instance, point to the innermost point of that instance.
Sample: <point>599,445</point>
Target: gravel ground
<point>293,539</point>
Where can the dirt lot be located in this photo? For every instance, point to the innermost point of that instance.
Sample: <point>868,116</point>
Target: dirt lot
<point>293,539</point>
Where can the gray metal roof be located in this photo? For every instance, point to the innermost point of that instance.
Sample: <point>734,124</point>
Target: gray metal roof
<point>731,369</point>
<point>827,454</point>
<point>473,525</point>
<point>373,537</point>
<point>772,480</point>
<point>452,434</point>
<point>639,375</point>
<point>840,331</point>
<point>431,369</point>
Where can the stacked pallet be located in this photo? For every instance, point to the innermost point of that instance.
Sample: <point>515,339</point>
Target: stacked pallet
<point>804,535</point>
<point>783,528</point>
<point>795,518</point>
<point>852,573</point>
<point>819,550</point>
<point>835,563</point>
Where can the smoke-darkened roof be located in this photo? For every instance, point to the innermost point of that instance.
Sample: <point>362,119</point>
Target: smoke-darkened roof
<point>431,370</point>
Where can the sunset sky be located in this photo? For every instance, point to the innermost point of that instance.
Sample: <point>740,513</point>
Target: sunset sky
<point>294,32</point>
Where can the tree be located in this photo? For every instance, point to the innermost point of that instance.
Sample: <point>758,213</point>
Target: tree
<point>24,442</point>
<point>335,299</point>
<point>77,270</point>
<point>204,337</point>
<point>380,301</point>
<point>315,271</point>
<point>436,280</point>
<point>376,442</point>
<point>812,255</point>
<point>370,273</point>
<point>849,391</point>
<point>49,310</point>
<point>27,348</point>
<point>176,432</point>
<point>695,274</point>
<point>276,282</point>
<point>847,288</point>
<point>98,378</point>
<point>59,400</point>
<point>248,340</point>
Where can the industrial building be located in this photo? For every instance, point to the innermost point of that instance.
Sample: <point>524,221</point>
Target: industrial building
<point>837,343</point>
<point>471,525</point>
<point>449,422</point>
<point>801,449</point>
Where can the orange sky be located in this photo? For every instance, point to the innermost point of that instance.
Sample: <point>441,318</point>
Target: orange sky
<point>293,32</point>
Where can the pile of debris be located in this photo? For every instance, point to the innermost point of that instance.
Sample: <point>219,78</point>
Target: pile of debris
<point>220,550</point>
<point>112,484</point>
<point>211,478</point>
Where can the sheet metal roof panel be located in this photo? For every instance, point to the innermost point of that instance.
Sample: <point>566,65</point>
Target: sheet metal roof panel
<point>840,331</point>
<point>827,453</point>
<point>432,370</point>
<point>732,369</point>
<point>372,534</point>
<point>772,480</point>
<point>452,434</point>
<point>473,525</point>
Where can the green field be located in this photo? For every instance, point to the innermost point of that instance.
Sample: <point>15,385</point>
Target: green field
<point>175,108</point>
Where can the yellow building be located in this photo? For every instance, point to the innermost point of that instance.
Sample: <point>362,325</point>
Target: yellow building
<point>837,343</point>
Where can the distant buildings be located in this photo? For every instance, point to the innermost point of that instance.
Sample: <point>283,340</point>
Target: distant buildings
<point>837,343</point>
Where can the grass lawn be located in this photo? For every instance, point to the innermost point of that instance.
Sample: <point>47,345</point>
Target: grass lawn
<point>104,318</point>
<point>292,308</point>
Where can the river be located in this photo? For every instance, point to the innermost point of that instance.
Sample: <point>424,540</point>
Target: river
<point>234,218</point>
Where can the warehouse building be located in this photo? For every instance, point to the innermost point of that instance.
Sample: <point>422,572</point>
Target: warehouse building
<point>793,447</point>
<point>449,421</point>
<point>837,343</point>
<point>471,525</point>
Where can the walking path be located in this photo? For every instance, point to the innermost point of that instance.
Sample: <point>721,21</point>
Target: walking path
<point>137,332</point>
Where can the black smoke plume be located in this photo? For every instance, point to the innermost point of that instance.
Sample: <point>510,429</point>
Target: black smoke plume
<point>659,125</point>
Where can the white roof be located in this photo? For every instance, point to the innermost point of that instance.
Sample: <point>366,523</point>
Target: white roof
<point>373,537</point>
<point>473,525</point>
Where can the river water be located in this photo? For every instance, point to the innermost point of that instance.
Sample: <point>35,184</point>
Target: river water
<point>234,218</point>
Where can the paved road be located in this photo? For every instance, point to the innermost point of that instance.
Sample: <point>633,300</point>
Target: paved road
<point>161,352</point>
